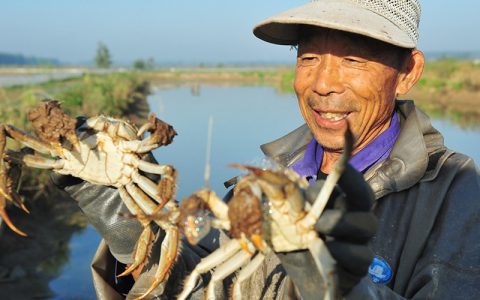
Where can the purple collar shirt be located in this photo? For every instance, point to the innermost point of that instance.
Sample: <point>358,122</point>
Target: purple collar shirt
<point>375,152</point>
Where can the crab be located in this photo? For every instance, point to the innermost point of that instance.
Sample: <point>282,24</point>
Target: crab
<point>268,212</point>
<point>103,151</point>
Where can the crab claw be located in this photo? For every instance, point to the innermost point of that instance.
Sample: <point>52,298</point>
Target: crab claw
<point>8,181</point>
<point>160,132</point>
<point>194,221</point>
<point>7,220</point>
<point>268,175</point>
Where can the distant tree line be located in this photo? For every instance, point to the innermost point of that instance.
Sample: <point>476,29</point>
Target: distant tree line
<point>21,60</point>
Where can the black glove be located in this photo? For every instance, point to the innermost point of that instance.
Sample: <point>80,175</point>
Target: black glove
<point>103,208</point>
<point>346,225</point>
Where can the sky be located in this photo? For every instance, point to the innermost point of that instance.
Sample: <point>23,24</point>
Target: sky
<point>189,31</point>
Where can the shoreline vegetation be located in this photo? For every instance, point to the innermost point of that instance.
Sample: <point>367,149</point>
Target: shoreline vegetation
<point>28,264</point>
<point>448,88</point>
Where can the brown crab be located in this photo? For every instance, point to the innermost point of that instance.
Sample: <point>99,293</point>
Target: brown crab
<point>103,151</point>
<point>268,211</point>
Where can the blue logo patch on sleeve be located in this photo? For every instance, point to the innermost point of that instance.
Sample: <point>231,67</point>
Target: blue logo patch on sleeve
<point>380,271</point>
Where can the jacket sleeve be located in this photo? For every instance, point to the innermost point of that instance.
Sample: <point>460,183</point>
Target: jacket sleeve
<point>448,266</point>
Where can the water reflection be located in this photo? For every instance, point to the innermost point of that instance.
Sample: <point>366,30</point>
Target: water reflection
<point>244,117</point>
<point>75,281</point>
<point>8,80</point>
<point>28,264</point>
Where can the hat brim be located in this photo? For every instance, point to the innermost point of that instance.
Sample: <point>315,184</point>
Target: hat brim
<point>341,15</point>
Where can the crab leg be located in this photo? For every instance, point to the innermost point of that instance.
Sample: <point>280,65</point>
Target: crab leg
<point>325,264</point>
<point>216,205</point>
<point>149,187</point>
<point>145,127</point>
<point>7,184</point>
<point>221,272</point>
<point>35,161</point>
<point>137,146</point>
<point>217,257</point>
<point>29,141</point>
<point>148,166</point>
<point>245,273</point>
<point>4,215</point>
<point>323,259</point>
<point>149,211</point>
<point>332,179</point>
<point>169,250</point>
<point>169,247</point>
<point>142,200</point>
<point>141,247</point>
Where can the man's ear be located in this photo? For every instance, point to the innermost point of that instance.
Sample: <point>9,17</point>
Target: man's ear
<point>411,72</point>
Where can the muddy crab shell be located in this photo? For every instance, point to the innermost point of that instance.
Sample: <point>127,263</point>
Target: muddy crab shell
<point>51,123</point>
<point>245,213</point>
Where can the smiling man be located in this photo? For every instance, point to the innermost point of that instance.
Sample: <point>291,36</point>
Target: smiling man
<point>354,58</point>
<point>407,221</point>
<point>342,78</point>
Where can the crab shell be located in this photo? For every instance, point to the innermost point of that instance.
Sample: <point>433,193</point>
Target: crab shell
<point>108,152</point>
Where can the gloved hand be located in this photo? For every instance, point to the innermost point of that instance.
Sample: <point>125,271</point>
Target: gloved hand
<point>346,226</point>
<point>103,208</point>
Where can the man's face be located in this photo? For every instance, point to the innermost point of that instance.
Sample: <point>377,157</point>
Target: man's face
<point>342,77</point>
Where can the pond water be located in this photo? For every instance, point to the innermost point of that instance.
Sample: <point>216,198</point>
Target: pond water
<point>243,118</point>
<point>25,79</point>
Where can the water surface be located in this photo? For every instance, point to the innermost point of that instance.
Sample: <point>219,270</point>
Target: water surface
<point>244,118</point>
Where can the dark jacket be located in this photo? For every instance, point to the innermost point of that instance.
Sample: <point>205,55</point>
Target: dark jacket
<point>428,206</point>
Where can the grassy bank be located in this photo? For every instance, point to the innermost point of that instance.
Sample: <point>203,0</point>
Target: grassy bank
<point>28,264</point>
<point>281,77</point>
<point>448,88</point>
<point>90,95</point>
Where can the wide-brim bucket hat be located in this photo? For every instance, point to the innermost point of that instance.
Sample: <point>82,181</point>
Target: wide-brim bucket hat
<point>391,21</point>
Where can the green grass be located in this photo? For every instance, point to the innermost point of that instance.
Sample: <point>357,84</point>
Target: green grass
<point>89,95</point>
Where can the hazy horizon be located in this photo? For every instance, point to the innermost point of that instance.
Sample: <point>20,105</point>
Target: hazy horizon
<point>187,32</point>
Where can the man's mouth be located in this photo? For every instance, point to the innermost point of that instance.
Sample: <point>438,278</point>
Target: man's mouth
<point>331,120</point>
<point>333,116</point>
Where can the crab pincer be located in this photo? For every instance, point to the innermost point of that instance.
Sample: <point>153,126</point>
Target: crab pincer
<point>9,175</point>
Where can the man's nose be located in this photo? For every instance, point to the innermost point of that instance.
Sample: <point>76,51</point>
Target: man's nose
<point>327,78</point>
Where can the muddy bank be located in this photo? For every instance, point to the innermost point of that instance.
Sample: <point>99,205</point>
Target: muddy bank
<point>28,264</point>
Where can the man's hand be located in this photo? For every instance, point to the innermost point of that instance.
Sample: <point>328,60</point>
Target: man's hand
<point>103,208</point>
<point>347,225</point>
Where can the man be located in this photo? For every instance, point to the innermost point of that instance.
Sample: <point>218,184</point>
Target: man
<point>354,58</point>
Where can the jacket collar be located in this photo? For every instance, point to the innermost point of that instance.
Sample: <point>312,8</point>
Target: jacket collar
<point>405,166</point>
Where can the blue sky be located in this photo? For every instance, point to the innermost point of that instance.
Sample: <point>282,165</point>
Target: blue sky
<point>189,31</point>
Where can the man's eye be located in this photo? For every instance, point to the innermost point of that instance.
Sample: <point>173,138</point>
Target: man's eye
<point>353,60</point>
<point>307,60</point>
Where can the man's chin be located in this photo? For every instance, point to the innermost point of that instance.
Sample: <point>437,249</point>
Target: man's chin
<point>331,145</point>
